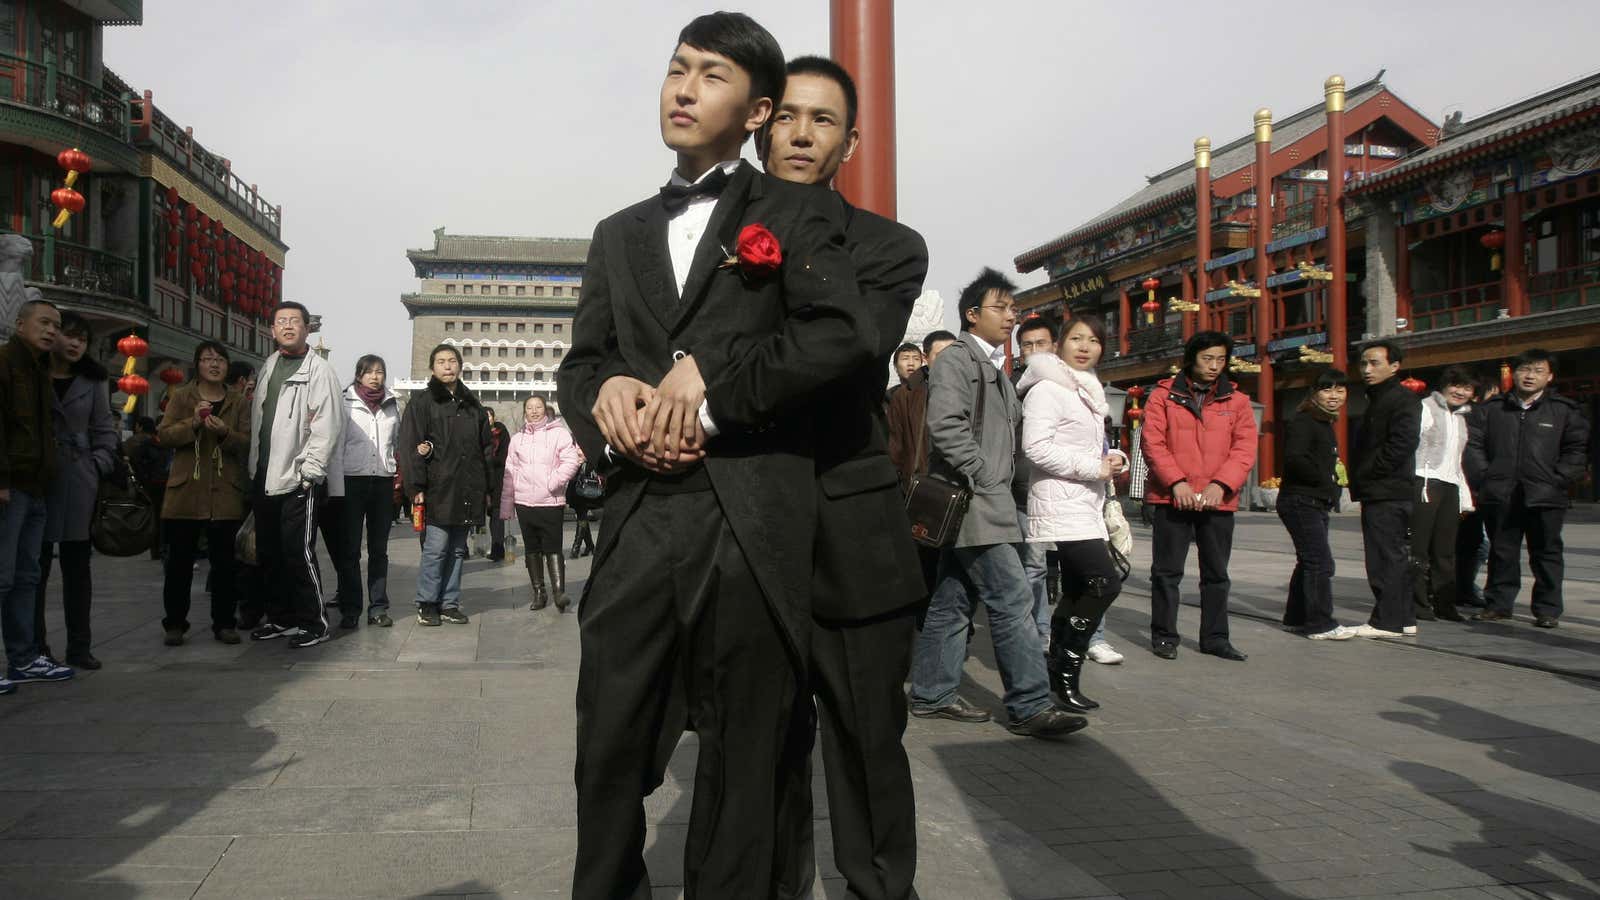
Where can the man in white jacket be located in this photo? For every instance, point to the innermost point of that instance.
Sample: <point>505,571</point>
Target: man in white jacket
<point>295,462</point>
<point>1442,496</point>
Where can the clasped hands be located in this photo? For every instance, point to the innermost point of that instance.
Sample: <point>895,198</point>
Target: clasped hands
<point>1184,497</point>
<point>657,428</point>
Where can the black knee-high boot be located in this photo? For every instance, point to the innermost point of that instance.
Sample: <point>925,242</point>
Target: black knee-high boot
<point>556,571</point>
<point>1071,628</point>
<point>535,562</point>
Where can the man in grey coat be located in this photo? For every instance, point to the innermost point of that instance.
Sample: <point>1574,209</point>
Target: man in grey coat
<point>973,416</point>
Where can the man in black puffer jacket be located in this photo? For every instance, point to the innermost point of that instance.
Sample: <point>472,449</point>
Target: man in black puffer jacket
<point>1383,477</point>
<point>1524,450</point>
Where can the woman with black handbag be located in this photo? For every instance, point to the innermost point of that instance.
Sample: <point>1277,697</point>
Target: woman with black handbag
<point>86,449</point>
<point>584,493</point>
<point>540,461</point>
<point>207,423</point>
<point>1064,436</point>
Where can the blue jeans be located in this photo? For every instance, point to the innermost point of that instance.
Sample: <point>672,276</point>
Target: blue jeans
<point>444,551</point>
<point>1036,565</point>
<point>21,539</point>
<point>993,575</point>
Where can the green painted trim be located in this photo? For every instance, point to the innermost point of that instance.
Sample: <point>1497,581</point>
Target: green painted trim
<point>27,122</point>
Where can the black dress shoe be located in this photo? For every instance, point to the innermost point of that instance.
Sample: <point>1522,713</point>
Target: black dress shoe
<point>86,660</point>
<point>1492,615</point>
<point>1051,723</point>
<point>957,710</point>
<point>1540,622</point>
<point>1425,614</point>
<point>348,622</point>
<point>1225,651</point>
<point>1165,651</point>
<point>1449,613</point>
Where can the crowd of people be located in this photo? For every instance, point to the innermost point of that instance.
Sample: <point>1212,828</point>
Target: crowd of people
<point>280,456</point>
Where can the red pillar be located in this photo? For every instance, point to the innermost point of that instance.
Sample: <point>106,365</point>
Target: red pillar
<point>1338,253</point>
<point>1262,178</point>
<point>862,40</point>
<point>1202,228</point>
<point>1514,268</point>
<point>1124,310</point>
<point>1188,295</point>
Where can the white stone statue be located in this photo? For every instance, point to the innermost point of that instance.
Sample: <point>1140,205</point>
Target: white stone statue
<point>16,258</point>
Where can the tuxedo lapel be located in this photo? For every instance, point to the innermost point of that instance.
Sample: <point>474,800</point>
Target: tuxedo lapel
<point>720,239</point>
<point>652,266</point>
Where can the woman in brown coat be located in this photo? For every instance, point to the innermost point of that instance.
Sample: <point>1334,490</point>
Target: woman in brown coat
<point>207,424</point>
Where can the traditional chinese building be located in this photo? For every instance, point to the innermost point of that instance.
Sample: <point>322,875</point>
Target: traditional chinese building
<point>167,241</point>
<point>1203,246</point>
<point>506,303</point>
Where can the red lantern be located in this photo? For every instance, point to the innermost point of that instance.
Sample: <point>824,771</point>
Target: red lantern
<point>172,196</point>
<point>133,346</point>
<point>191,213</point>
<point>172,259</point>
<point>1414,385</point>
<point>171,376</point>
<point>1493,241</point>
<point>226,281</point>
<point>1136,392</point>
<point>76,162</point>
<point>68,201</point>
<point>174,238</point>
<point>1506,381</point>
<point>1150,306</point>
<point>133,385</point>
<point>216,228</point>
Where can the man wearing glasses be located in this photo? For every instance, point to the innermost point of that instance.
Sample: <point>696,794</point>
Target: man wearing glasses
<point>1525,449</point>
<point>973,414</point>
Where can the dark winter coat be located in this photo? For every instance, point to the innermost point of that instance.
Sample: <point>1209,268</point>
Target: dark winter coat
<point>86,448</point>
<point>1544,449</point>
<point>1383,456</point>
<point>27,431</point>
<point>1310,453</point>
<point>455,478</point>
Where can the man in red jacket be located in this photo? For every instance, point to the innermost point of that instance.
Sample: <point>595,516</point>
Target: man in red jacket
<point>1200,442</point>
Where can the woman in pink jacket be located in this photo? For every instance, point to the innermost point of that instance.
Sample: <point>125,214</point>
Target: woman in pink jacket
<point>1064,436</point>
<point>541,460</point>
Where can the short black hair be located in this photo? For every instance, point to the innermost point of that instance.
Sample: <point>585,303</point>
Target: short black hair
<point>1038,323</point>
<point>74,325</point>
<point>144,425</point>
<point>744,43</point>
<point>1391,350</point>
<point>27,308</point>
<point>1458,375</point>
<point>1330,378</point>
<point>827,68</point>
<point>240,369</point>
<point>442,348</point>
<point>972,295</point>
<point>934,337</point>
<point>305,314</point>
<point>216,347</point>
<point>907,347</point>
<point>1534,355</point>
<point>1205,340</point>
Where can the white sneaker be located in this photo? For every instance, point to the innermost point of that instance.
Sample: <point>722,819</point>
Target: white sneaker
<point>1104,654</point>
<point>1367,631</point>
<point>1336,633</point>
<point>1409,630</point>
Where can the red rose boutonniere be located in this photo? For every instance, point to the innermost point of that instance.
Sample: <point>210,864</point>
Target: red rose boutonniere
<point>757,252</point>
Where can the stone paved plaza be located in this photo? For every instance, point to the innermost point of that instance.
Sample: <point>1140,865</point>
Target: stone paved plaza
<point>412,762</point>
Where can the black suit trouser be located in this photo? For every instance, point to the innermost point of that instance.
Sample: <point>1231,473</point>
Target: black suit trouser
<point>77,594</point>
<point>674,626</point>
<point>1433,544</point>
<point>1212,534</point>
<point>858,673</point>
<point>1385,541</point>
<point>1508,525</point>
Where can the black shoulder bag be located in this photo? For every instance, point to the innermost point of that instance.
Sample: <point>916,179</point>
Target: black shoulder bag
<point>936,505</point>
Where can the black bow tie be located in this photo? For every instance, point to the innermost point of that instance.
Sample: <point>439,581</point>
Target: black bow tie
<point>676,196</point>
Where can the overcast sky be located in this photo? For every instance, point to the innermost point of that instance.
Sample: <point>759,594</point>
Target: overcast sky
<point>374,123</point>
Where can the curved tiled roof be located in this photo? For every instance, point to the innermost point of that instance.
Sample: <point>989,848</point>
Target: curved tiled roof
<point>1577,98</point>
<point>1177,183</point>
<point>503,248</point>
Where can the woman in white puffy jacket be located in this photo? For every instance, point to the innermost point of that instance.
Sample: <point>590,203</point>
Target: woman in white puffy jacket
<point>1064,437</point>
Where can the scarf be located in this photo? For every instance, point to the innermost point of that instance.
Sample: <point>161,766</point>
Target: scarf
<point>372,397</point>
<point>1092,390</point>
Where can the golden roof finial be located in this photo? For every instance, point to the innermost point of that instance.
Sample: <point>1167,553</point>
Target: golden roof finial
<point>1263,126</point>
<point>1202,153</point>
<point>1333,91</point>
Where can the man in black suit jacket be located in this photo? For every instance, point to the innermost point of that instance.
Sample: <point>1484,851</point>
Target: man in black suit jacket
<point>698,608</point>
<point>867,584</point>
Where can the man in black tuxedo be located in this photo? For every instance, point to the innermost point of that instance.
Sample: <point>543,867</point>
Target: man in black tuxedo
<point>696,355</point>
<point>867,584</point>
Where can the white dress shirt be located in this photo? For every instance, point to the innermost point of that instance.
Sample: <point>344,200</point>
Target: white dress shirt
<point>997,355</point>
<point>685,228</point>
